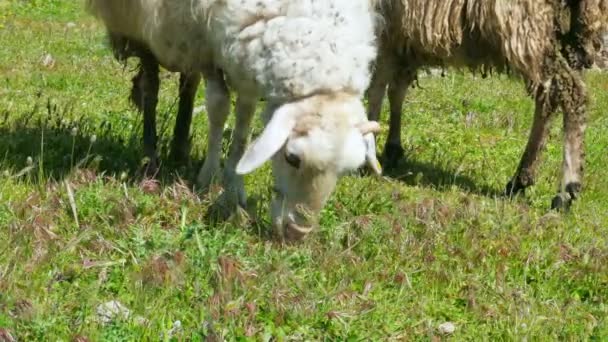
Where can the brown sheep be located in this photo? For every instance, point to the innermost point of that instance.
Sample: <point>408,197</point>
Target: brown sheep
<point>523,36</point>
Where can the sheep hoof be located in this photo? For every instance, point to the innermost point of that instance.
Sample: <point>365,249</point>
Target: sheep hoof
<point>150,168</point>
<point>207,177</point>
<point>514,187</point>
<point>573,189</point>
<point>561,202</point>
<point>219,212</point>
<point>392,155</point>
<point>228,204</point>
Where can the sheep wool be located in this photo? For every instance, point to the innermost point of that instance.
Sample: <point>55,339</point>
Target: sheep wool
<point>547,42</point>
<point>280,48</point>
<point>294,49</point>
<point>475,32</point>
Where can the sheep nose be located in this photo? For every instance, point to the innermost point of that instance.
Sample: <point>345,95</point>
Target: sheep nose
<point>294,232</point>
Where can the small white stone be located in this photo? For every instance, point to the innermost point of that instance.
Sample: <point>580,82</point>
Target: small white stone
<point>142,321</point>
<point>107,312</point>
<point>47,60</point>
<point>177,328</point>
<point>70,25</point>
<point>447,328</point>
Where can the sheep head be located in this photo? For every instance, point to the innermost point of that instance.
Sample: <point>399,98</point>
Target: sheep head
<point>312,143</point>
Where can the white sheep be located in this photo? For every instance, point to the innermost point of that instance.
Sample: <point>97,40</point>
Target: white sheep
<point>522,35</point>
<point>309,59</point>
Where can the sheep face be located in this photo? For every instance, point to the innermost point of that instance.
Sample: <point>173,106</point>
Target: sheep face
<point>312,143</point>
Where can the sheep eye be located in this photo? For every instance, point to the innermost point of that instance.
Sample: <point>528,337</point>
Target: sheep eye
<point>293,160</point>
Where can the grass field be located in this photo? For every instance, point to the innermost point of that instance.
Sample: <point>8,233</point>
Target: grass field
<point>394,258</point>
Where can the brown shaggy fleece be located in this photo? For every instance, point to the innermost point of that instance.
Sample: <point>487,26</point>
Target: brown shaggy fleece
<point>546,42</point>
<point>471,33</point>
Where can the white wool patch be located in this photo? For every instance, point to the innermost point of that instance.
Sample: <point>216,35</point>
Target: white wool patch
<point>298,48</point>
<point>283,49</point>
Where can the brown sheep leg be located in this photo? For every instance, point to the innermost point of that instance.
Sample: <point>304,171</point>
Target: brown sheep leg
<point>137,94</point>
<point>145,94</point>
<point>180,147</point>
<point>573,98</point>
<point>375,93</point>
<point>397,89</point>
<point>526,171</point>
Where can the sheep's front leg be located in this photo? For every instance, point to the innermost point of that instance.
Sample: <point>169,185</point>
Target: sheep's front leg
<point>526,171</point>
<point>397,89</point>
<point>218,106</point>
<point>573,101</point>
<point>145,86</point>
<point>180,148</point>
<point>234,187</point>
<point>245,108</point>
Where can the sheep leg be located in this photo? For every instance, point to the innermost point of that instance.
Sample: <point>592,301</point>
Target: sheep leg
<point>397,89</point>
<point>526,171</point>
<point>148,97</point>
<point>375,94</point>
<point>573,98</point>
<point>180,147</point>
<point>234,186</point>
<point>218,106</point>
<point>137,93</point>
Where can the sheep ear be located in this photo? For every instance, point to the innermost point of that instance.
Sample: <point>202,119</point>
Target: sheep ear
<point>370,154</point>
<point>273,137</point>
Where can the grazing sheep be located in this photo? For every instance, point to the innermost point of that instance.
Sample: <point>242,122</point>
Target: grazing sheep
<point>310,60</point>
<point>521,35</point>
<point>144,94</point>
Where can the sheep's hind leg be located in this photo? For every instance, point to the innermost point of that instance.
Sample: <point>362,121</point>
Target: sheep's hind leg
<point>180,147</point>
<point>393,150</point>
<point>234,188</point>
<point>145,95</point>
<point>217,100</point>
<point>526,171</point>
<point>573,98</point>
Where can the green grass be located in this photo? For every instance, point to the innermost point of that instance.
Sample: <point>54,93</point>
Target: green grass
<point>393,259</point>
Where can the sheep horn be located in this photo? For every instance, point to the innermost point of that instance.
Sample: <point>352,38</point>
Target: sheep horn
<point>370,154</point>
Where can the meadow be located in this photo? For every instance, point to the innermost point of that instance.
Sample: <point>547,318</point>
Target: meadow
<point>395,257</point>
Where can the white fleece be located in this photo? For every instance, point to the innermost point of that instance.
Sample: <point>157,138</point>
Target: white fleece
<point>282,49</point>
<point>297,48</point>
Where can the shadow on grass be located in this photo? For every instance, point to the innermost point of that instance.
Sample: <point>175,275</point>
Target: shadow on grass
<point>62,149</point>
<point>412,172</point>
